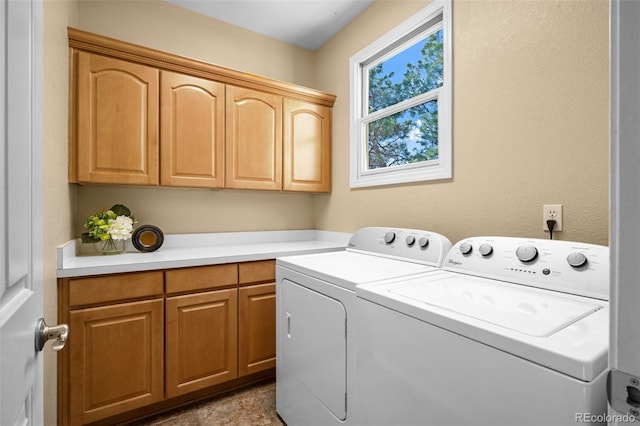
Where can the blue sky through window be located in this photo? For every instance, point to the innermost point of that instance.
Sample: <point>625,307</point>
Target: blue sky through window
<point>407,74</point>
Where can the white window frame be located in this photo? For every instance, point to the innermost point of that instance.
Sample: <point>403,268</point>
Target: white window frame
<point>441,168</point>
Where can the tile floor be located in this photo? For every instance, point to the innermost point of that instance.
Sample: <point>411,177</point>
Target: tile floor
<point>255,405</point>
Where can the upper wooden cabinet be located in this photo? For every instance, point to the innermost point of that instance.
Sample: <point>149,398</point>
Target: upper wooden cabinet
<point>192,131</point>
<point>254,139</point>
<point>144,117</point>
<point>307,147</point>
<point>277,143</point>
<point>117,121</point>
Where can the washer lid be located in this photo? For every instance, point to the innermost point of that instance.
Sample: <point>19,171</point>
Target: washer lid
<point>510,306</point>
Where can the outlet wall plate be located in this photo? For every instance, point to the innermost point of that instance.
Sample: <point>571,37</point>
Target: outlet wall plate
<point>552,211</point>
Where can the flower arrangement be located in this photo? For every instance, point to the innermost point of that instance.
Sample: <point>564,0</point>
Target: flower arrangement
<point>109,226</point>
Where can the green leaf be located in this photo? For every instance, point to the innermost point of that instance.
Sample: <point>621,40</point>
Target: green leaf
<point>120,210</point>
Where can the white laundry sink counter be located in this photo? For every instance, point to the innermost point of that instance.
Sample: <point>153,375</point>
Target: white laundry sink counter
<point>183,250</point>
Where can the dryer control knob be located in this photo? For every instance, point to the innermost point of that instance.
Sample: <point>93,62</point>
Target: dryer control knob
<point>465,248</point>
<point>389,237</point>
<point>423,242</point>
<point>485,249</point>
<point>526,253</point>
<point>577,259</point>
<point>410,240</point>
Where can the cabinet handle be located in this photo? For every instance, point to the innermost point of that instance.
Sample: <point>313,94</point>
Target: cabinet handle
<point>288,325</point>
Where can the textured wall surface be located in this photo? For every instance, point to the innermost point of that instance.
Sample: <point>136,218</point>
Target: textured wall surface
<point>530,123</point>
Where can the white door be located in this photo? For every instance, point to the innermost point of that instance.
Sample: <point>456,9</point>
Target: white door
<point>624,353</point>
<point>20,211</point>
<point>313,344</point>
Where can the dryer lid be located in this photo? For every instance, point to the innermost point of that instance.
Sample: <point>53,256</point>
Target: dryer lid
<point>348,269</point>
<point>530,311</point>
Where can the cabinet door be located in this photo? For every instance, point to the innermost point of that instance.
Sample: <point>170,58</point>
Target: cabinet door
<point>253,139</point>
<point>192,131</point>
<point>307,147</point>
<point>116,354</point>
<point>117,108</point>
<point>201,333</point>
<point>257,328</point>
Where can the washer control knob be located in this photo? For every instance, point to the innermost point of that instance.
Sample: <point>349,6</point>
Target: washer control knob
<point>577,259</point>
<point>389,237</point>
<point>526,253</point>
<point>466,248</point>
<point>423,242</point>
<point>410,240</point>
<point>485,249</point>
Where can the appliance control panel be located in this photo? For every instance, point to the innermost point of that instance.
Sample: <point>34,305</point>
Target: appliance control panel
<point>570,267</point>
<point>413,245</point>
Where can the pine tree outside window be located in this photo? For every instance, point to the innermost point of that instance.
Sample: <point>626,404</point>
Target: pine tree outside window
<point>401,103</point>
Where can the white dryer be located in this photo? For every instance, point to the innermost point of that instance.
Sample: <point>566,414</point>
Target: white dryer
<point>511,332</point>
<point>315,304</point>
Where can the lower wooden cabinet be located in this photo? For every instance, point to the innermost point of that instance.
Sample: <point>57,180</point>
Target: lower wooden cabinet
<point>147,341</point>
<point>257,328</point>
<point>201,340</point>
<point>116,358</point>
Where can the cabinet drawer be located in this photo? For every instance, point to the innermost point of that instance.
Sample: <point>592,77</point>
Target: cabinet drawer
<point>201,278</point>
<point>111,288</point>
<point>257,272</point>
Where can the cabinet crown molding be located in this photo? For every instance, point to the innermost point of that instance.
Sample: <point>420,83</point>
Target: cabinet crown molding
<point>89,42</point>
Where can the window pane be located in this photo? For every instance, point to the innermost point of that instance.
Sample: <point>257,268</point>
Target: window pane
<point>406,137</point>
<point>415,70</point>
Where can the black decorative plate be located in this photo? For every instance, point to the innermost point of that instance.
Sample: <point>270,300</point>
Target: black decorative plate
<point>147,238</point>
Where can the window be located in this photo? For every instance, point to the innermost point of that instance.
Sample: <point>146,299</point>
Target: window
<point>401,103</point>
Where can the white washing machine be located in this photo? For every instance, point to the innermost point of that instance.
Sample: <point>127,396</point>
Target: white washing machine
<point>511,332</point>
<point>315,299</point>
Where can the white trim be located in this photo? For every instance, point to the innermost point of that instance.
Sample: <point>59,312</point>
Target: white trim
<point>441,168</point>
<point>624,193</point>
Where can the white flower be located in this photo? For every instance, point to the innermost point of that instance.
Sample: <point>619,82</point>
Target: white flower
<point>121,228</point>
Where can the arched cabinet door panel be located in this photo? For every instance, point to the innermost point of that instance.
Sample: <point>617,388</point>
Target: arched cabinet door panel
<point>253,139</point>
<point>192,131</point>
<point>307,147</point>
<point>117,110</point>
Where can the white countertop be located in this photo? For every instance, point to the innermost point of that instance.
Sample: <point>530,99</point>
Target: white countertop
<point>182,250</point>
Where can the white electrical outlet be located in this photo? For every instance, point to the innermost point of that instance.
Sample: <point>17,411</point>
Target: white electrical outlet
<point>552,211</point>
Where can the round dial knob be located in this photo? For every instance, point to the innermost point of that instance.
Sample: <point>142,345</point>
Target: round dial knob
<point>423,242</point>
<point>465,248</point>
<point>410,240</point>
<point>576,259</point>
<point>527,253</point>
<point>389,237</point>
<point>485,249</point>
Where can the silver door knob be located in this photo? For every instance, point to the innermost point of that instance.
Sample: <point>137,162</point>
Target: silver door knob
<point>45,333</point>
